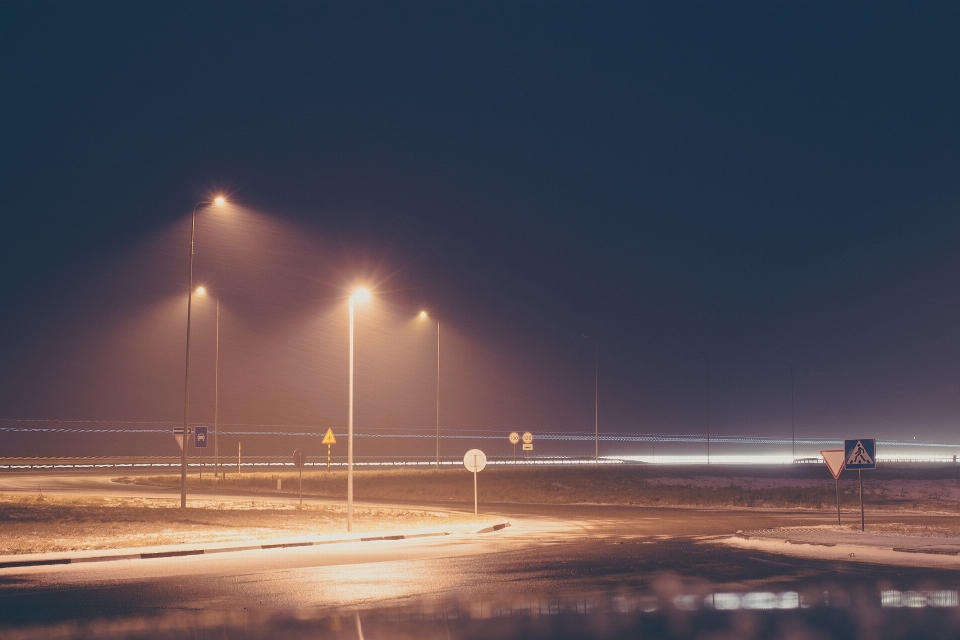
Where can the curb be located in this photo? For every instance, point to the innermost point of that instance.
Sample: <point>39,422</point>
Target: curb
<point>175,553</point>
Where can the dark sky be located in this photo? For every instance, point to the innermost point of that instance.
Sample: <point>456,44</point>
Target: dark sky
<point>751,183</point>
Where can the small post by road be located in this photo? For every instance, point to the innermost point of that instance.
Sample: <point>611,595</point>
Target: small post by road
<point>298,460</point>
<point>238,458</point>
<point>329,440</point>
<point>834,459</point>
<point>514,439</point>
<point>860,454</point>
<point>475,460</point>
<point>862,524</point>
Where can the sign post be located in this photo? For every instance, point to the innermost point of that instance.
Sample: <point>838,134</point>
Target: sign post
<point>475,460</point>
<point>527,441</point>
<point>328,440</point>
<point>298,460</point>
<point>859,455</point>
<point>514,439</point>
<point>834,458</point>
<point>200,442</point>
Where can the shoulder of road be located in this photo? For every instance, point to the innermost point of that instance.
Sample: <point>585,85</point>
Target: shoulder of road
<point>182,550</point>
<point>889,544</point>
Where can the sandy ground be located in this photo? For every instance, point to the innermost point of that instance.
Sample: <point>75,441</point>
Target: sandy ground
<point>891,543</point>
<point>40,523</point>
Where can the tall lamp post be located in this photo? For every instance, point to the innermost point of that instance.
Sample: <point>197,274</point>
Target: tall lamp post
<point>216,391</point>
<point>707,356</point>
<point>793,430</point>
<point>218,201</point>
<point>424,316</point>
<point>359,295</point>
<point>596,399</point>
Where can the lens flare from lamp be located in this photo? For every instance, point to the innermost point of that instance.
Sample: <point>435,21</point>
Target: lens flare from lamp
<point>201,291</point>
<point>219,201</point>
<point>361,294</point>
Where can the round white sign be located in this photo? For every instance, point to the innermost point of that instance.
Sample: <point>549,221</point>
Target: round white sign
<point>527,437</point>
<point>514,438</point>
<point>475,460</point>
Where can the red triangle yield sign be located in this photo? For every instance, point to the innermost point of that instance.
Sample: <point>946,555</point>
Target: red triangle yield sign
<point>834,459</point>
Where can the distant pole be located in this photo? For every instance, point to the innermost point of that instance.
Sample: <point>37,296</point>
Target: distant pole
<point>216,400</point>
<point>350,429</point>
<point>186,375</point>
<point>596,399</point>
<point>838,499</point>
<point>860,473</point>
<point>596,403</point>
<point>438,394</point>
<point>793,430</point>
<point>238,457</point>
<point>708,406</point>
<point>475,512</point>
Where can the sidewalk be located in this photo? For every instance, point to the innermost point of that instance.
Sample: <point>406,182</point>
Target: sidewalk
<point>178,550</point>
<point>898,545</point>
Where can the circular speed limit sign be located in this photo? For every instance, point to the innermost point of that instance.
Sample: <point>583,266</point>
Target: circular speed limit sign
<point>514,438</point>
<point>527,438</point>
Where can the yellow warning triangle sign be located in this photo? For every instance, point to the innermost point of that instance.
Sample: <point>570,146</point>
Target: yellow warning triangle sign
<point>329,439</point>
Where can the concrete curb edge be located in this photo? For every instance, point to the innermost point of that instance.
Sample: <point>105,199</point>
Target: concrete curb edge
<point>40,562</point>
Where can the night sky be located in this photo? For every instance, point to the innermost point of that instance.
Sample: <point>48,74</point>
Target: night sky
<point>739,184</point>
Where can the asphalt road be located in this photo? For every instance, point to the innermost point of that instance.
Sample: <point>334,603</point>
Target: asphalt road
<point>550,551</point>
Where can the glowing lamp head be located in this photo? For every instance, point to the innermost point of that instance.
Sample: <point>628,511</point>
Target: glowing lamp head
<point>220,201</point>
<point>423,314</point>
<point>360,294</point>
<point>201,291</point>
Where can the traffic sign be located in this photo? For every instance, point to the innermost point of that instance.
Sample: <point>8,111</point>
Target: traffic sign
<point>329,438</point>
<point>200,437</point>
<point>514,438</point>
<point>834,458</point>
<point>178,436</point>
<point>474,460</point>
<point>528,447</point>
<point>527,437</point>
<point>860,454</point>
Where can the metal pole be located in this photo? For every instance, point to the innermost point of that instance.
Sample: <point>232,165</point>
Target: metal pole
<point>708,408</point>
<point>596,403</point>
<point>860,473</point>
<point>474,484</point>
<point>186,375</point>
<point>793,430</point>
<point>216,400</point>
<point>350,430</point>
<point>438,394</point>
<point>301,480</point>
<point>838,499</point>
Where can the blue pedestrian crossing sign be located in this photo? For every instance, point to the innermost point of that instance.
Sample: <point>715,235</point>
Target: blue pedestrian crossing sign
<point>860,454</point>
<point>200,437</point>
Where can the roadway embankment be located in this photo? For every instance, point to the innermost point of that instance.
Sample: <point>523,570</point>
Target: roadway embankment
<point>890,543</point>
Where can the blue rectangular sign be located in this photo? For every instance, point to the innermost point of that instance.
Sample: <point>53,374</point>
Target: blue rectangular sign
<point>200,437</point>
<point>860,454</point>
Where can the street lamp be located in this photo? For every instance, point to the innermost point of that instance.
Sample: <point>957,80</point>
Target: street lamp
<point>219,201</point>
<point>424,316</point>
<point>216,391</point>
<point>793,431</point>
<point>707,356</point>
<point>361,294</point>
<point>596,399</point>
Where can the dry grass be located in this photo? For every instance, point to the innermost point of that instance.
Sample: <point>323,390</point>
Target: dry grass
<point>37,523</point>
<point>807,487</point>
